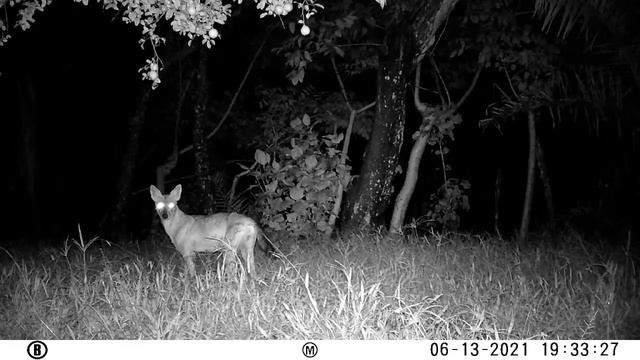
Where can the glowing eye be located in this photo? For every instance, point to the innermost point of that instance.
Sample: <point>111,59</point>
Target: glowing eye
<point>159,206</point>
<point>171,205</point>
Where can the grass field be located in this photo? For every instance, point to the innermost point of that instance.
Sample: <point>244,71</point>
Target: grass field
<point>451,286</point>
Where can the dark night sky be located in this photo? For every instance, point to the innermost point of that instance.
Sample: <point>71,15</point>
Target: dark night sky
<point>83,66</point>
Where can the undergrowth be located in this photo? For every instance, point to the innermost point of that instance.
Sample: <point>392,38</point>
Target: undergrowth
<point>442,286</point>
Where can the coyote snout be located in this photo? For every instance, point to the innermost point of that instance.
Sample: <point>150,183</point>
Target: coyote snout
<point>224,232</point>
<point>163,208</point>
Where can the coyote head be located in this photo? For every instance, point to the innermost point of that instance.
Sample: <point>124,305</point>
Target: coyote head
<point>166,205</point>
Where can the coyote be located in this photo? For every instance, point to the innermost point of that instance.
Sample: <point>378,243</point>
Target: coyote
<point>224,232</point>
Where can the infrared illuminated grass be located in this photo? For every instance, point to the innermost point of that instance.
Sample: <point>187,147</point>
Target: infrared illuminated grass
<point>365,287</point>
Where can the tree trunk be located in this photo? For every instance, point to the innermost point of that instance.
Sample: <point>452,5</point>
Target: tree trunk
<point>417,150</point>
<point>372,190</point>
<point>116,222</point>
<point>528,194</point>
<point>543,172</point>
<point>402,44</point>
<point>402,200</point>
<point>427,19</point>
<point>201,156</point>
<point>335,212</point>
<point>343,160</point>
<point>413,166</point>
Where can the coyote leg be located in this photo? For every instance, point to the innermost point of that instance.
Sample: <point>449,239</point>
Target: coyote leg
<point>229,263</point>
<point>247,254</point>
<point>191,267</point>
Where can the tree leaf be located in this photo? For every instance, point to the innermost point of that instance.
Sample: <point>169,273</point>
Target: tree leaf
<point>276,165</point>
<point>300,207</point>
<point>262,157</point>
<point>296,193</point>
<point>296,123</point>
<point>296,152</point>
<point>311,161</point>
<point>272,186</point>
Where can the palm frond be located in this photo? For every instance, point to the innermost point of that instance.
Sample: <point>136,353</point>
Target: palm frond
<point>223,200</point>
<point>566,15</point>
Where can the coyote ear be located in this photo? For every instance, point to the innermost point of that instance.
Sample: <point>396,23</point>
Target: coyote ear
<point>156,195</point>
<point>175,193</point>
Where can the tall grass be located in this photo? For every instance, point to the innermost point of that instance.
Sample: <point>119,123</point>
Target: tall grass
<point>449,286</point>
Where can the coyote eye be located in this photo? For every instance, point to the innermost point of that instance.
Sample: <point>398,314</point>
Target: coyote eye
<point>159,206</point>
<point>171,205</point>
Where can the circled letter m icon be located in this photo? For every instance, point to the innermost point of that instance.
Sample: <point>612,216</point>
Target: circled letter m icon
<point>309,350</point>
